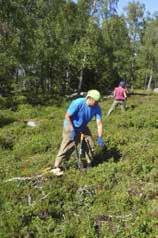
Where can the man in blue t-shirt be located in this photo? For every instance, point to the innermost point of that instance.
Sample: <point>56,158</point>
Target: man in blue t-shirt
<point>78,115</point>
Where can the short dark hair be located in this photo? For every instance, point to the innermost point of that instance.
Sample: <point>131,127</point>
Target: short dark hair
<point>122,83</point>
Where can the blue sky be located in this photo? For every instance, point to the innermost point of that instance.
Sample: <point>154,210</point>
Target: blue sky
<point>150,5</point>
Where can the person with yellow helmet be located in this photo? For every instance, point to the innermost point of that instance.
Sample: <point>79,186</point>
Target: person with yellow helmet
<point>78,115</point>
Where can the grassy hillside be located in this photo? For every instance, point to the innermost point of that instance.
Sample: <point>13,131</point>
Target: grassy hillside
<point>117,197</point>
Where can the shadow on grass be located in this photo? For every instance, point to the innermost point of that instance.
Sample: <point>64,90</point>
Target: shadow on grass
<point>131,107</point>
<point>139,94</point>
<point>101,156</point>
<point>6,121</point>
<point>105,155</point>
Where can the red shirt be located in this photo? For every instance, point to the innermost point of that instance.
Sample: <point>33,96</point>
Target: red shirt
<point>119,93</point>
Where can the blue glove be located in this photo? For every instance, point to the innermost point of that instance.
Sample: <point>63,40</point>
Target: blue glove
<point>72,135</point>
<point>100,142</point>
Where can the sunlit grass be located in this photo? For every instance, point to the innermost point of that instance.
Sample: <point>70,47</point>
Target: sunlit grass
<point>120,189</point>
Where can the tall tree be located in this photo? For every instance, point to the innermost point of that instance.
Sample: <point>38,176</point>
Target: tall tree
<point>104,8</point>
<point>135,20</point>
<point>148,56</point>
<point>117,50</point>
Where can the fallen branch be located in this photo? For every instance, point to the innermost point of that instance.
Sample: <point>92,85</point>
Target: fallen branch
<point>41,199</point>
<point>120,217</point>
<point>24,178</point>
<point>105,218</point>
<point>45,171</point>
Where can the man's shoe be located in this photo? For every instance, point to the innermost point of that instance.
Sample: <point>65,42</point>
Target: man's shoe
<point>57,171</point>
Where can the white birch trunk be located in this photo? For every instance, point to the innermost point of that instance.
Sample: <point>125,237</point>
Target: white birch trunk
<point>150,80</point>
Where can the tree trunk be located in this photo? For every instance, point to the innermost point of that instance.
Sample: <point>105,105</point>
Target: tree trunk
<point>145,81</point>
<point>81,75</point>
<point>150,80</point>
<point>67,83</point>
<point>80,82</point>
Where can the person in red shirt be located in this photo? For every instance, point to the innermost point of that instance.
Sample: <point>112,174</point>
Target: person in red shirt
<point>119,98</point>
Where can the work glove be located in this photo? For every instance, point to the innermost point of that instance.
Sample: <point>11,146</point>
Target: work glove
<point>72,135</point>
<point>100,142</point>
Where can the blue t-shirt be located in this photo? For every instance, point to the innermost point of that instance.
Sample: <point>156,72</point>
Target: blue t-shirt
<point>80,113</point>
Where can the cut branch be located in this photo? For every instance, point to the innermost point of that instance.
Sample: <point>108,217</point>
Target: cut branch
<point>26,178</point>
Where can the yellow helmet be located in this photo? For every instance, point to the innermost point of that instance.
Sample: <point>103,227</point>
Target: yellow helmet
<point>95,94</point>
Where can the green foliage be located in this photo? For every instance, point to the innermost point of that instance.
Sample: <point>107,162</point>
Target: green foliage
<point>117,51</point>
<point>51,48</point>
<point>6,117</point>
<point>148,56</point>
<point>117,197</point>
<point>2,102</point>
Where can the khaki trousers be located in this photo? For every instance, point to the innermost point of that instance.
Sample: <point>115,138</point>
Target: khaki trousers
<point>68,146</point>
<point>115,104</point>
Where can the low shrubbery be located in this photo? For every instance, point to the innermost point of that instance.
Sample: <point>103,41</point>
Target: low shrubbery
<point>115,198</point>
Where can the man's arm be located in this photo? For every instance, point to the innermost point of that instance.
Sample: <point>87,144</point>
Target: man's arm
<point>125,95</point>
<point>100,133</point>
<point>99,127</point>
<point>68,119</point>
<point>114,93</point>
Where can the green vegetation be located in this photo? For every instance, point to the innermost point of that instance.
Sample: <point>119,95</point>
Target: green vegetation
<point>49,48</point>
<point>117,197</point>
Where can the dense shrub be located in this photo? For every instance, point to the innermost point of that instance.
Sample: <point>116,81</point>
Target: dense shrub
<point>115,198</point>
